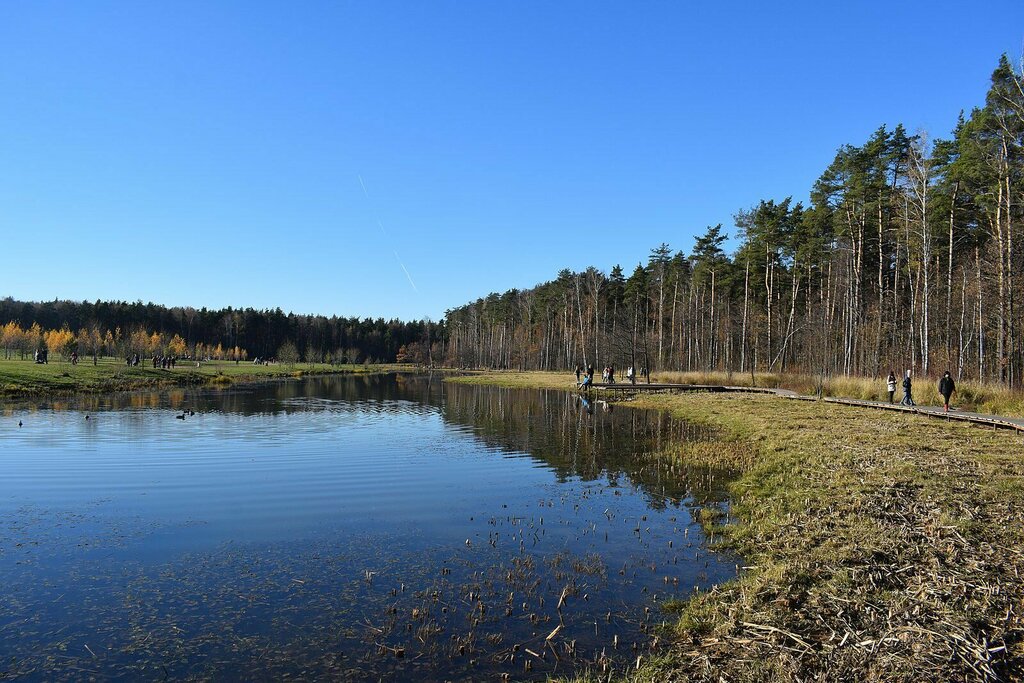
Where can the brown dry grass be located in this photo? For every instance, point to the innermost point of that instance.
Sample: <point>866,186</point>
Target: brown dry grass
<point>885,547</point>
<point>973,396</point>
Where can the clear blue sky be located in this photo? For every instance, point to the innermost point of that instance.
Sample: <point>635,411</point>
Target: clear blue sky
<point>209,153</point>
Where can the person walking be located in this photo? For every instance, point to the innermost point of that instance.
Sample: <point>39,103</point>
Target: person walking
<point>578,371</point>
<point>946,388</point>
<point>890,384</point>
<point>908,398</point>
<point>630,377</point>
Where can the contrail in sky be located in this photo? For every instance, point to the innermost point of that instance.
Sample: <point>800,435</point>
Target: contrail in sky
<point>380,224</point>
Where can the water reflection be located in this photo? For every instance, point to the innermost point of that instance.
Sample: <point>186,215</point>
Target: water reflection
<point>356,527</point>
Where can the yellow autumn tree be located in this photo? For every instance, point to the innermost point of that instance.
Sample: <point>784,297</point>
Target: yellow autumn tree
<point>11,337</point>
<point>90,341</point>
<point>34,337</point>
<point>139,342</point>
<point>60,341</point>
<point>176,347</point>
<point>83,341</point>
<point>156,345</point>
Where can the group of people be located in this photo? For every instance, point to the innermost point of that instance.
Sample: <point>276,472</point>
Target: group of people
<point>946,388</point>
<point>585,378</point>
<point>588,376</point>
<point>165,362</point>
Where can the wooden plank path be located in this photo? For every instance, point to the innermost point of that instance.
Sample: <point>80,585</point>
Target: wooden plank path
<point>994,421</point>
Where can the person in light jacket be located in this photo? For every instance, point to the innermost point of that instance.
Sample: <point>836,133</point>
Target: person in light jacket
<point>890,384</point>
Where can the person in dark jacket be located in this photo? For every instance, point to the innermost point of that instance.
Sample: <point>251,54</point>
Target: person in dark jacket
<point>946,387</point>
<point>908,399</point>
<point>578,371</point>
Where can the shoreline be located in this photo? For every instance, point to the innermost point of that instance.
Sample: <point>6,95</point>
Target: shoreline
<point>877,545</point>
<point>22,381</point>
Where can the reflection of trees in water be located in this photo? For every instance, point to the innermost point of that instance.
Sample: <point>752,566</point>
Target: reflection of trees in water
<point>343,393</point>
<point>573,436</point>
<point>591,442</point>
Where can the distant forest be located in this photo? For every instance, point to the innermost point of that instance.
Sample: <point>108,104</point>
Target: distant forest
<point>117,328</point>
<point>908,255</point>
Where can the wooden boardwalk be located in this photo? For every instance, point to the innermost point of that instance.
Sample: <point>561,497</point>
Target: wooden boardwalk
<point>994,421</point>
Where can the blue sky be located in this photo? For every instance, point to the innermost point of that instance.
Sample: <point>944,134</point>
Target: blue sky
<point>210,153</point>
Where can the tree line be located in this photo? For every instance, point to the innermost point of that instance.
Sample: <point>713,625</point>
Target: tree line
<point>118,328</point>
<point>906,256</point>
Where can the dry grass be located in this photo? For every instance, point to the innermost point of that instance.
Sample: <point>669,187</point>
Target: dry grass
<point>884,547</point>
<point>518,380</point>
<point>972,396</point>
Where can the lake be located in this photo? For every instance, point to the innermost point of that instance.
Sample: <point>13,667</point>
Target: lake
<point>383,527</point>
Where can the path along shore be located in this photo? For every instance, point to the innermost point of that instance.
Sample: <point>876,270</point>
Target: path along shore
<point>995,421</point>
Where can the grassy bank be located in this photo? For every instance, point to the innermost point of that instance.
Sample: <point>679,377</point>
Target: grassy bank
<point>25,379</point>
<point>880,547</point>
<point>973,396</point>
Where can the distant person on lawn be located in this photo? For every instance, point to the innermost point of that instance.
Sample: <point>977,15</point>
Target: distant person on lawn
<point>890,384</point>
<point>908,398</point>
<point>578,371</point>
<point>946,387</point>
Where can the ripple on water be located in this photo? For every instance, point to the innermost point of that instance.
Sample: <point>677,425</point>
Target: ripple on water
<point>324,528</point>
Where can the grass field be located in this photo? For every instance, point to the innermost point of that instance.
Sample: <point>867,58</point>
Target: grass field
<point>25,379</point>
<point>879,547</point>
<point>972,396</point>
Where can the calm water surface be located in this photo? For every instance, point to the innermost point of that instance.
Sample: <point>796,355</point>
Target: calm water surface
<point>384,527</point>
